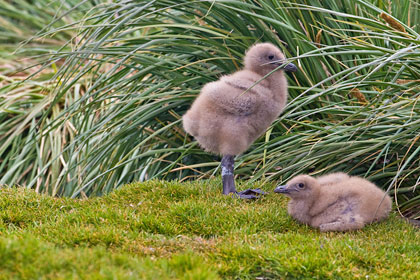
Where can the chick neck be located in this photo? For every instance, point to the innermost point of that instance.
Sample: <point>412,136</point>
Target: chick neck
<point>278,84</point>
<point>277,81</point>
<point>300,207</point>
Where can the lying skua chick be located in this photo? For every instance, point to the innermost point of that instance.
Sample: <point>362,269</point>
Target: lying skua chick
<point>335,202</point>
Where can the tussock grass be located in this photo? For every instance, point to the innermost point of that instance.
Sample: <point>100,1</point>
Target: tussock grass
<point>107,112</point>
<point>171,230</point>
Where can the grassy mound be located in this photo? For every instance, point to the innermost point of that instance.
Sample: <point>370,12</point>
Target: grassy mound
<point>103,108</point>
<point>169,230</point>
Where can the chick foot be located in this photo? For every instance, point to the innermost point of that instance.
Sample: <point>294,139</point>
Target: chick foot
<point>228,181</point>
<point>250,194</point>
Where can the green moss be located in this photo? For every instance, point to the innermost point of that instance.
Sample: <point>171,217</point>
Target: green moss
<point>170,230</point>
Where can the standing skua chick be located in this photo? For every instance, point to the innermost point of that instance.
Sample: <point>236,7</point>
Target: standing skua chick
<point>231,113</point>
<point>335,202</point>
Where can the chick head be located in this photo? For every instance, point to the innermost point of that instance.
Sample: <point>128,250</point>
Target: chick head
<point>300,187</point>
<point>265,57</point>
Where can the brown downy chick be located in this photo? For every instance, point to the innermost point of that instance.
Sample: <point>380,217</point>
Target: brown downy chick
<point>335,202</point>
<point>231,113</point>
<point>225,119</point>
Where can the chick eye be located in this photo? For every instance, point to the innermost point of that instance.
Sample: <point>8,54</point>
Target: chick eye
<point>301,185</point>
<point>271,57</point>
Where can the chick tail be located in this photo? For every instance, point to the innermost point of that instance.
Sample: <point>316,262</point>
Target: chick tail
<point>190,125</point>
<point>383,209</point>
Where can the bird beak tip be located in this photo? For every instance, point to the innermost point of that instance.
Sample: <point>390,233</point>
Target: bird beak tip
<point>290,67</point>
<point>281,189</point>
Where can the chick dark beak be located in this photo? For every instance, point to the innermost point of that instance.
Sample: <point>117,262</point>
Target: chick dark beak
<point>290,67</point>
<point>281,189</point>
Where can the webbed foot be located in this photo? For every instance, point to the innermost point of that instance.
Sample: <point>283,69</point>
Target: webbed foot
<point>250,194</point>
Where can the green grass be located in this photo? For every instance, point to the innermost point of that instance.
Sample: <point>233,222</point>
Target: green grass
<point>117,76</point>
<point>102,107</point>
<point>171,230</point>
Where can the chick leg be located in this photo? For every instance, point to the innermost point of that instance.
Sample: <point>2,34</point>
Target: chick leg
<point>227,165</point>
<point>349,223</point>
<point>228,180</point>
